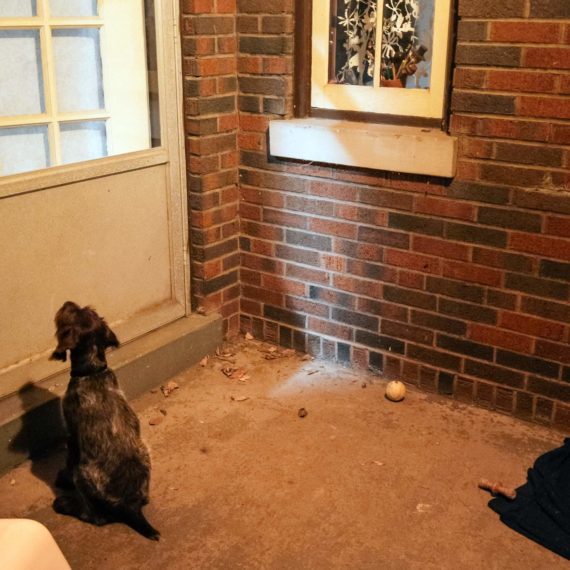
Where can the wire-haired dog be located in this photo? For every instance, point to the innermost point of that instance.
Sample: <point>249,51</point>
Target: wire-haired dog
<point>108,465</point>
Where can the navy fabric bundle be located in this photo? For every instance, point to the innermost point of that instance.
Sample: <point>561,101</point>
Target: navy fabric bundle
<point>541,510</point>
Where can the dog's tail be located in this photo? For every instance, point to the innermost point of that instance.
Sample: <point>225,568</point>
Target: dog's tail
<point>137,521</point>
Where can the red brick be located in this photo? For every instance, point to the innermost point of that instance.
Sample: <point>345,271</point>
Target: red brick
<point>525,81</point>
<point>263,294</point>
<point>230,159</point>
<point>561,134</point>
<point>554,107</point>
<point>473,273</point>
<point>307,274</point>
<point>250,212</point>
<point>557,352</point>
<point>226,44</point>
<point>467,170</point>
<point>251,64</point>
<point>360,286</point>
<point>411,280</point>
<point>330,328</point>
<point>441,247</point>
<point>564,88</point>
<point>558,226</point>
<point>227,122</point>
<point>251,141</point>
<point>498,337</point>
<point>445,208</point>
<point>250,307</point>
<point>467,78</point>
<point>226,6</point>
<point>287,286</point>
<point>475,148</point>
<point>198,6</point>
<point>503,128</point>
<point>531,326</point>
<point>541,245</point>
<point>334,263</point>
<point>333,228</point>
<point>413,261</point>
<point>547,58</point>
<point>277,65</point>
<point>256,123</point>
<point>262,248</point>
<point>524,32</point>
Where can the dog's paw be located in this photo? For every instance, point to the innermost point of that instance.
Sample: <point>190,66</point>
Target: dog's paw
<point>66,505</point>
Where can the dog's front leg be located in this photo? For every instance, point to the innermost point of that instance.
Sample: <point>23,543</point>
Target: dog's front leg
<point>64,479</point>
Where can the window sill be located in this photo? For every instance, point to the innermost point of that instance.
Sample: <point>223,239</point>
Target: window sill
<point>394,148</point>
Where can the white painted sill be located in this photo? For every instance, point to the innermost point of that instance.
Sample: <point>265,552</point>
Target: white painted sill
<point>394,148</point>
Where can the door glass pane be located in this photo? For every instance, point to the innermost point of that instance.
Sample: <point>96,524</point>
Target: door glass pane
<point>79,80</point>
<point>407,35</point>
<point>23,149</point>
<point>83,141</point>
<point>63,8</point>
<point>21,84</point>
<point>17,8</point>
<point>353,42</point>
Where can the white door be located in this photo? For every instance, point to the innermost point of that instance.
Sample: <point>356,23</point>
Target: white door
<point>92,196</point>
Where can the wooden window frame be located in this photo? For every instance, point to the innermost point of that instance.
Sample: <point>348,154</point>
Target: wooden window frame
<point>303,80</point>
<point>127,125</point>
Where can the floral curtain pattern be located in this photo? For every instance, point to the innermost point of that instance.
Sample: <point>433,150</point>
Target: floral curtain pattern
<point>405,49</point>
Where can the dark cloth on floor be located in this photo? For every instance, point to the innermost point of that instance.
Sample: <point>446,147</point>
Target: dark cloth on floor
<point>541,510</point>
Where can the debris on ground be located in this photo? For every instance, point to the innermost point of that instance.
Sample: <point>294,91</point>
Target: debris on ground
<point>363,385</point>
<point>311,372</point>
<point>248,336</point>
<point>307,357</point>
<point>302,412</point>
<point>155,420</point>
<point>273,353</point>
<point>169,387</point>
<point>12,482</point>
<point>238,374</point>
<point>239,398</point>
<point>162,411</point>
<point>379,463</point>
<point>423,508</point>
<point>498,489</point>
<point>204,361</point>
<point>225,355</point>
<point>154,391</point>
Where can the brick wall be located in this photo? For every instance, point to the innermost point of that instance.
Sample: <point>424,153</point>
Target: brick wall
<point>210,99</point>
<point>458,287</point>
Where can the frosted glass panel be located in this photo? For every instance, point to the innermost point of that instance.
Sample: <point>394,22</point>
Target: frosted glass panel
<point>23,149</point>
<point>78,69</point>
<point>21,84</point>
<point>83,141</point>
<point>73,7</point>
<point>15,8</point>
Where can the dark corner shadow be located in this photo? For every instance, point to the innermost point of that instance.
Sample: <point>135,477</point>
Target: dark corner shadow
<point>41,434</point>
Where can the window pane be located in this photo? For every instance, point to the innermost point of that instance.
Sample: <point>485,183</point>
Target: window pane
<point>83,141</point>
<point>353,42</point>
<point>15,8</point>
<point>23,149</point>
<point>407,43</point>
<point>78,72</point>
<point>64,8</point>
<point>21,90</point>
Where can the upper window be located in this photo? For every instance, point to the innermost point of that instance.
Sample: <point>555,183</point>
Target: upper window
<point>74,81</point>
<point>387,58</point>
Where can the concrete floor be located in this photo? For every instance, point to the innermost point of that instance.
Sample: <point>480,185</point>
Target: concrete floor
<point>359,483</point>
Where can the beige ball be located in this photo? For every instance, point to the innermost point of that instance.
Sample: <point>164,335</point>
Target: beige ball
<point>395,391</point>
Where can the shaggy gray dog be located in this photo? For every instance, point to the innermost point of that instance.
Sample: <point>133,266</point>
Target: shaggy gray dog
<point>108,465</point>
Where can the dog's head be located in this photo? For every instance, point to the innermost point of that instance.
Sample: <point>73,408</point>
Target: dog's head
<point>75,325</point>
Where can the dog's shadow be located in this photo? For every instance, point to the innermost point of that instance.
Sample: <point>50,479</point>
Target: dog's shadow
<point>42,433</point>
